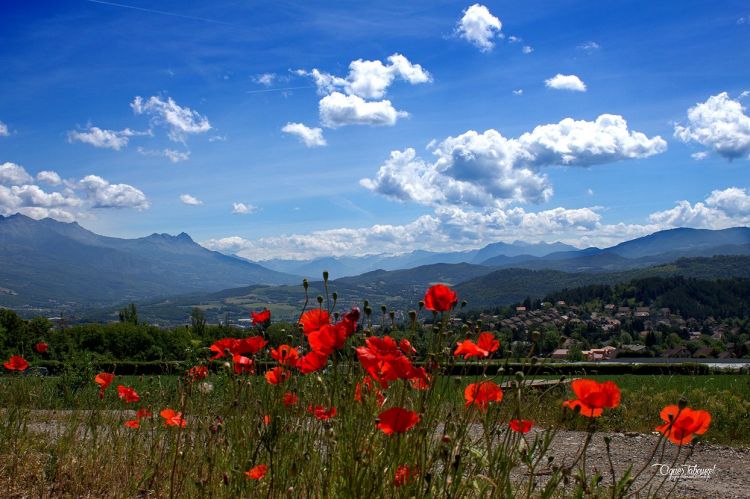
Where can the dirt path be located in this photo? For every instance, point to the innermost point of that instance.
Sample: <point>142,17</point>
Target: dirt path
<point>725,470</point>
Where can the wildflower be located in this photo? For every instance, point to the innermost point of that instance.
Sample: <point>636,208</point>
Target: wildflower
<point>396,420</point>
<point>290,399</point>
<point>593,397</point>
<point>250,345</point>
<point>127,394</point>
<point>682,424</point>
<point>419,379</point>
<point>220,346</point>
<point>133,423</point>
<point>383,361</point>
<point>257,472</point>
<point>485,345</point>
<point>103,380</point>
<point>242,364</point>
<point>197,373</point>
<point>277,375</point>
<point>367,386</point>
<point>405,346</point>
<point>41,347</point>
<point>482,393</point>
<point>16,363</point>
<point>261,317</point>
<point>206,387</point>
<point>143,413</point>
<point>285,355</point>
<point>314,319</point>
<point>403,475</point>
<point>440,298</point>
<point>266,420</point>
<point>172,418</point>
<point>520,425</point>
<point>312,362</point>
<point>321,412</point>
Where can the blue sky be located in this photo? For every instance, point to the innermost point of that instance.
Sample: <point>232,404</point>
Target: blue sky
<point>461,124</point>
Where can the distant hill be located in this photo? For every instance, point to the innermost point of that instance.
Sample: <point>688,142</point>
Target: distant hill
<point>400,290</point>
<point>50,263</point>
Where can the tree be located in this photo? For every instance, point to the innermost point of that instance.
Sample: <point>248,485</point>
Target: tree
<point>198,322</point>
<point>129,314</point>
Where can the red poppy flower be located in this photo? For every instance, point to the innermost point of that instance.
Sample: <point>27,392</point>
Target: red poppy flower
<point>419,379</point>
<point>521,425</point>
<point>593,397</point>
<point>242,364</point>
<point>314,319</point>
<point>285,355</point>
<point>266,420</point>
<point>469,349</point>
<point>440,298</point>
<point>250,345</point>
<point>197,373</point>
<point>258,472</point>
<point>321,412</point>
<point>143,413</point>
<point>219,347</point>
<point>405,346</point>
<point>277,375</point>
<point>41,347</point>
<point>16,363</point>
<point>403,475</point>
<point>173,418</point>
<point>103,380</point>
<point>127,394</point>
<point>261,317</point>
<point>312,362</point>
<point>133,423</point>
<point>681,425</point>
<point>290,399</point>
<point>482,394</point>
<point>368,387</point>
<point>487,342</point>
<point>383,360</point>
<point>396,420</point>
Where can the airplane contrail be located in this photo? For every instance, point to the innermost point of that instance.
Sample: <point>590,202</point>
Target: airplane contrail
<point>162,12</point>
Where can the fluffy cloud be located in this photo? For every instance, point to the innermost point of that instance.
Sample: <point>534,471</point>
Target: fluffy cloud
<point>699,156</point>
<point>13,174</point>
<point>721,124</point>
<point>190,200</point>
<point>4,132</point>
<point>173,155</point>
<point>243,208</point>
<point>49,177</point>
<point>479,27</point>
<point>180,121</point>
<point>369,79</point>
<point>105,195</point>
<point>110,139</point>
<point>527,49</point>
<point>21,195</point>
<point>489,170</point>
<point>265,79</point>
<point>311,137</point>
<point>566,82</point>
<point>721,209</point>
<point>338,110</point>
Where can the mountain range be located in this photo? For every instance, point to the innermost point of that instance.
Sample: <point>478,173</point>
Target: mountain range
<point>49,264</point>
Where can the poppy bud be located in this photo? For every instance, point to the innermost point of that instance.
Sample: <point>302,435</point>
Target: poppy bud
<point>383,308</point>
<point>607,439</point>
<point>464,303</point>
<point>368,311</point>
<point>335,296</point>
<point>682,403</point>
<point>421,304</point>
<point>336,316</point>
<point>366,304</point>
<point>305,283</point>
<point>325,275</point>
<point>413,315</point>
<point>320,299</point>
<point>479,324</point>
<point>519,375</point>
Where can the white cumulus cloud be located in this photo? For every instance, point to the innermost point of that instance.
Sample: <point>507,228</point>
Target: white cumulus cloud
<point>338,110</point>
<point>719,123</point>
<point>311,137</point>
<point>97,137</point>
<point>479,27</point>
<point>265,79</point>
<point>243,208</point>
<point>180,121</point>
<point>13,174</point>
<point>105,195</point>
<point>566,82</point>
<point>49,177</point>
<point>190,200</point>
<point>489,170</point>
